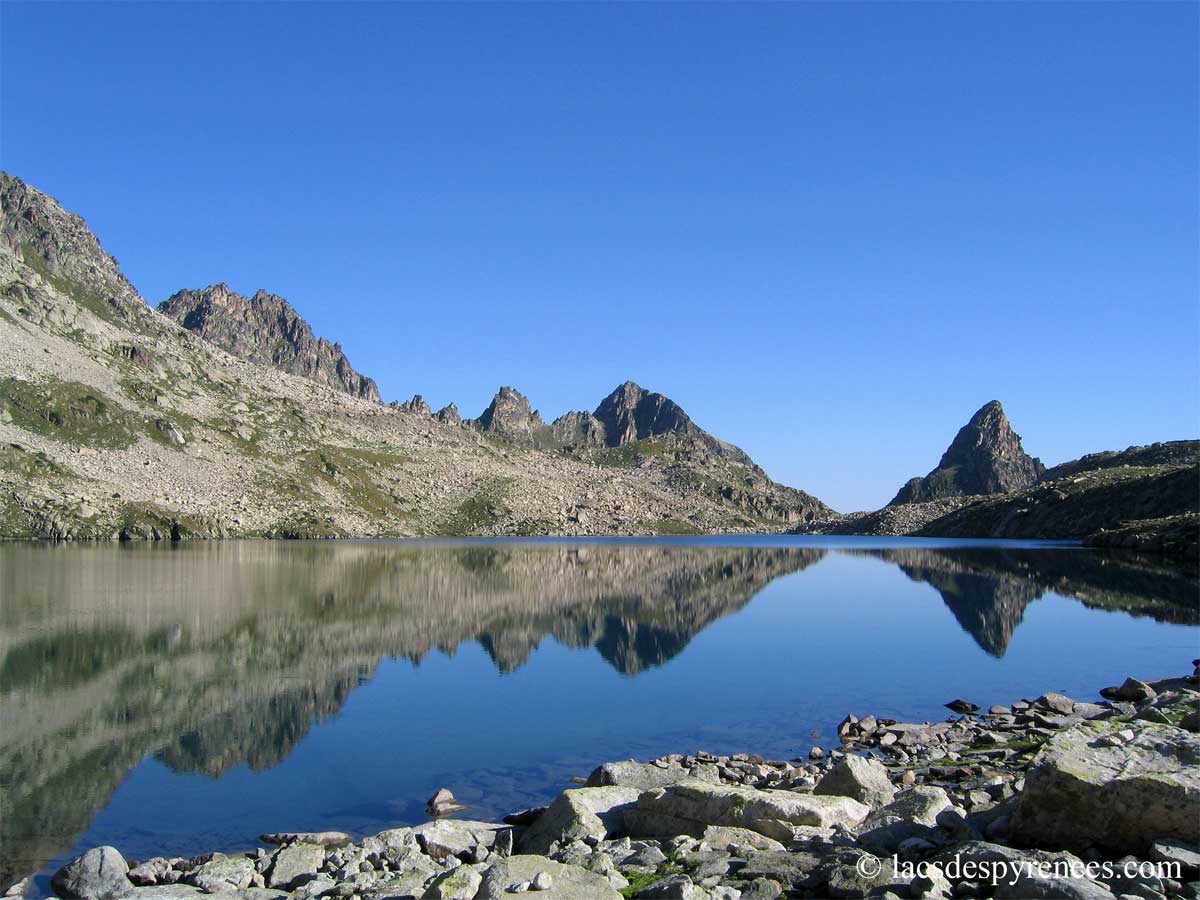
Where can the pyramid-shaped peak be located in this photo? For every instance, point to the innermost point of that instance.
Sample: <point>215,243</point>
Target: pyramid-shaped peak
<point>985,457</point>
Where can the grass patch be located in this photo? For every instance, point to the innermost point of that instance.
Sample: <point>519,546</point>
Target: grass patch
<point>69,412</point>
<point>481,510</point>
<point>85,296</point>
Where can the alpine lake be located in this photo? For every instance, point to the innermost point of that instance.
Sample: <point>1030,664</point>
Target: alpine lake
<point>175,699</point>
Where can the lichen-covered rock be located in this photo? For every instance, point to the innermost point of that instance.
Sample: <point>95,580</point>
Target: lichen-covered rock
<point>1082,791</point>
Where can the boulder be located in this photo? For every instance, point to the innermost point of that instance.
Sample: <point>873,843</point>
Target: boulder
<point>588,812</point>
<point>1024,874</point>
<point>566,882</point>
<point>865,779</point>
<point>630,773</point>
<point>99,874</point>
<point>1081,791</point>
<point>722,837</point>
<point>225,874</point>
<point>688,807</point>
<point>912,814</point>
<point>461,883</point>
<point>465,839</point>
<point>294,865</point>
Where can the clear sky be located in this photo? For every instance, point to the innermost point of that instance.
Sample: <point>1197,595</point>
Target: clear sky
<point>830,232</point>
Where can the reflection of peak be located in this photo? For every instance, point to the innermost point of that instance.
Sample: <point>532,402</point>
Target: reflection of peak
<point>987,589</point>
<point>989,608</point>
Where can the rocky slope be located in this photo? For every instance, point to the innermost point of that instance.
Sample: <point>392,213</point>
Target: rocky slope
<point>117,421</point>
<point>266,329</point>
<point>985,457</point>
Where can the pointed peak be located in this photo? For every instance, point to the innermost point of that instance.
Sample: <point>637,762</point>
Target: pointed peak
<point>993,408</point>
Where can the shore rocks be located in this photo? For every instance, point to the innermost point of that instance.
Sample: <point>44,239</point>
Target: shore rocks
<point>1083,791</point>
<point>1071,784</point>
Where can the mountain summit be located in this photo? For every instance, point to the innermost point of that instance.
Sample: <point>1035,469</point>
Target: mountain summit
<point>985,457</point>
<point>266,329</point>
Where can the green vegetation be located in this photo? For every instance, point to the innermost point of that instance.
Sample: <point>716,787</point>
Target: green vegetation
<point>639,881</point>
<point>628,456</point>
<point>68,411</point>
<point>481,510</point>
<point>81,294</point>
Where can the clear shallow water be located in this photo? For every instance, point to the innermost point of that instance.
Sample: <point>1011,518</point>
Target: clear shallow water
<point>178,699</point>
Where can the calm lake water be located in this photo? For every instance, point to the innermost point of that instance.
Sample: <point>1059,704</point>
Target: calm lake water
<point>178,699</point>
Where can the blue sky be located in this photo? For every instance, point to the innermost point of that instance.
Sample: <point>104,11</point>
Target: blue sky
<point>831,232</point>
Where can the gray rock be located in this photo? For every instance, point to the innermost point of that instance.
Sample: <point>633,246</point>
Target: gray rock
<point>323,838</point>
<point>461,838</point>
<point>225,874</point>
<point>1187,855</point>
<point>722,837</point>
<point>862,778</point>
<point>578,814</point>
<point>1080,793</point>
<point>643,776</point>
<point>568,882</point>
<point>99,874</point>
<point>461,883</point>
<point>294,865</point>
<point>688,806</point>
<point>676,887</point>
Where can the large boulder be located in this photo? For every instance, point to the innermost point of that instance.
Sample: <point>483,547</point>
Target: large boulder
<point>564,882</point>
<point>99,874</point>
<point>464,839</point>
<point>865,779</point>
<point>589,812</point>
<point>912,814</point>
<point>688,807</point>
<point>1082,791</point>
<point>295,865</point>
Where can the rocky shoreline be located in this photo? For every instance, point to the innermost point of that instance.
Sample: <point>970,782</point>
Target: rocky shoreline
<point>1049,797</point>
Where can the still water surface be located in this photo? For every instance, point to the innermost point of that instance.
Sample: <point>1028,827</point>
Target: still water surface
<point>178,699</point>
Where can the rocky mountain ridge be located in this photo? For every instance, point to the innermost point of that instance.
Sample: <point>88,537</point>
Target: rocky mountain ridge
<point>264,328</point>
<point>115,421</point>
<point>1145,498</point>
<point>985,457</point>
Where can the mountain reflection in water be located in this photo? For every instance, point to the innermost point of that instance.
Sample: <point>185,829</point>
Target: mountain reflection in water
<point>213,656</point>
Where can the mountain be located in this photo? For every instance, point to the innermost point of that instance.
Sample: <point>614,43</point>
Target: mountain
<point>1145,498</point>
<point>116,420</point>
<point>985,457</point>
<point>266,329</point>
<point>637,429</point>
